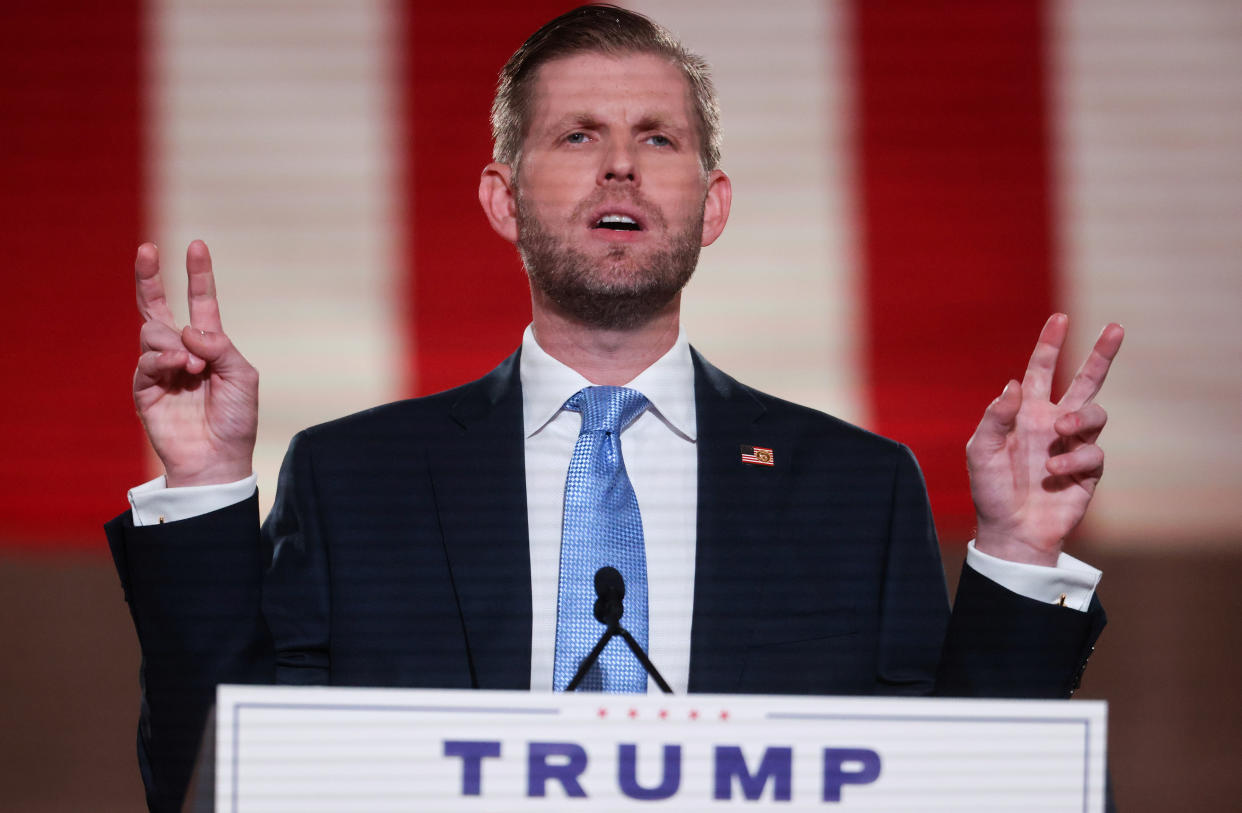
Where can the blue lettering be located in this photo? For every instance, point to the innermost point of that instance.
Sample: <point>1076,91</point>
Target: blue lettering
<point>539,771</point>
<point>472,754</point>
<point>627,773</point>
<point>836,776</point>
<point>777,765</point>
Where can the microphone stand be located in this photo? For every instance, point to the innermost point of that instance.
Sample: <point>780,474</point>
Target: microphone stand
<point>615,628</point>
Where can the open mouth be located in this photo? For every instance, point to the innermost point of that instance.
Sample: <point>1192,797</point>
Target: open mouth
<point>617,223</point>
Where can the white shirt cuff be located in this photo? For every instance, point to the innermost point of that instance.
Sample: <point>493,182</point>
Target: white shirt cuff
<point>153,503</point>
<point>1071,583</point>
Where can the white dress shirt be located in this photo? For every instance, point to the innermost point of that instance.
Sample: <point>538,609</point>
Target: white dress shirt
<point>662,461</point>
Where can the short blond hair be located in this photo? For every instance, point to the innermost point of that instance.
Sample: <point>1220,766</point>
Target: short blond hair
<point>602,29</point>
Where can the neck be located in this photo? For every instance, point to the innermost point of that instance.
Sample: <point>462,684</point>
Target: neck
<point>603,356</point>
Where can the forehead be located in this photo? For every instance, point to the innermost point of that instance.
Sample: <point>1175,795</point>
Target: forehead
<point>624,88</point>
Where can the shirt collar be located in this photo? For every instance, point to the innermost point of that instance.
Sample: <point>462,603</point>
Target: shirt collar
<point>668,384</point>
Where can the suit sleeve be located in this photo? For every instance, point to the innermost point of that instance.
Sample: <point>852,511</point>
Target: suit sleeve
<point>215,600</point>
<point>997,643</point>
<point>1001,644</point>
<point>193,590</point>
<point>994,642</point>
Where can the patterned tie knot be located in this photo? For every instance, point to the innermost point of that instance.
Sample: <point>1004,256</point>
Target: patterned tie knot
<point>607,409</point>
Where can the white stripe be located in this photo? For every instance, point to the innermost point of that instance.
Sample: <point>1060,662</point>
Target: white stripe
<point>775,300</point>
<point>1149,106</point>
<point>273,139</point>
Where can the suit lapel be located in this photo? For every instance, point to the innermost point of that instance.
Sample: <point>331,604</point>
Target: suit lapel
<point>479,475</point>
<point>735,502</point>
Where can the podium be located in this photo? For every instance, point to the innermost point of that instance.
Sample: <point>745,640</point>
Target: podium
<point>334,749</point>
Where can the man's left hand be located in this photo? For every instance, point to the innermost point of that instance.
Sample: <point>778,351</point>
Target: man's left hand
<point>1034,464</point>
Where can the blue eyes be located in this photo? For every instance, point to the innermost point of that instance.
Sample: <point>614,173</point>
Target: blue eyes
<point>654,140</point>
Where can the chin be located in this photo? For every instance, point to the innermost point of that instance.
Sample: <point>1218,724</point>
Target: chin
<point>619,288</point>
<point>612,309</point>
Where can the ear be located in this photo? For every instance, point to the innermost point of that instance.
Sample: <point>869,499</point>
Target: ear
<point>716,206</point>
<point>496,198</point>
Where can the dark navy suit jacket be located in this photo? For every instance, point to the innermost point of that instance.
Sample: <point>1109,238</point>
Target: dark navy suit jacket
<point>397,555</point>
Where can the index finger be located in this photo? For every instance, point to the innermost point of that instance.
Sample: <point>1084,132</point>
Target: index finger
<point>204,309</point>
<point>150,288</point>
<point>1090,376</point>
<point>1037,382</point>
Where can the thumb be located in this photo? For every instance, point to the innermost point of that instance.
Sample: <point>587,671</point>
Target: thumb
<point>1000,417</point>
<point>212,347</point>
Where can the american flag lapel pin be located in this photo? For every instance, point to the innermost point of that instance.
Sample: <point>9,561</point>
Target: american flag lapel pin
<point>757,456</point>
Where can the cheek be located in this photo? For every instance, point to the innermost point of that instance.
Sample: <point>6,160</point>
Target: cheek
<point>685,202</point>
<point>678,188</point>
<point>553,202</point>
<point>554,183</point>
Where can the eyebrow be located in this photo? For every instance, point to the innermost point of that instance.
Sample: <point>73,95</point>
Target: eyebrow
<point>657,121</point>
<point>585,120</point>
<point>650,121</point>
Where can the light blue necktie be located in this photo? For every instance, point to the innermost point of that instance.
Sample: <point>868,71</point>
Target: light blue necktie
<point>601,527</point>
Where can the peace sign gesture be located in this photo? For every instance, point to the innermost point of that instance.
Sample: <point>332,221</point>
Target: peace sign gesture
<point>198,398</point>
<point>1034,464</point>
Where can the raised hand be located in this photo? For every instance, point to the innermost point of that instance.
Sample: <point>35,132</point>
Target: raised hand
<point>198,398</point>
<point>1034,464</point>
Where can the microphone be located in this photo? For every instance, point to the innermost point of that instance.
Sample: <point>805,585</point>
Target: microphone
<point>610,588</point>
<point>609,607</point>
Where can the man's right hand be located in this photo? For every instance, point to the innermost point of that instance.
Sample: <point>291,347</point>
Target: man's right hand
<point>198,398</point>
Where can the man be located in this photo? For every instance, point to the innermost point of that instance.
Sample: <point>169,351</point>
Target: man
<point>439,542</point>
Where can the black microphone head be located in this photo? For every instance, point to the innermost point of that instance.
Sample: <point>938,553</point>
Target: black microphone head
<point>608,580</point>
<point>610,588</point>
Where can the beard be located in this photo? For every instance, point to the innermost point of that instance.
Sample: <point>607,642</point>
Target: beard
<point>620,290</point>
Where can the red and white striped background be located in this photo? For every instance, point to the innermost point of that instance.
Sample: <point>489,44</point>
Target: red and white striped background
<point>917,184</point>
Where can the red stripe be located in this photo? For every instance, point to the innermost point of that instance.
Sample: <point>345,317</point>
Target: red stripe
<point>467,299</point>
<point>955,198</point>
<point>70,218</point>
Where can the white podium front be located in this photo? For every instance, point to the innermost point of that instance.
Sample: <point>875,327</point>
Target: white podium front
<point>331,749</point>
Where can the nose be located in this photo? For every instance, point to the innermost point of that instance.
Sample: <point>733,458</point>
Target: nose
<point>619,164</point>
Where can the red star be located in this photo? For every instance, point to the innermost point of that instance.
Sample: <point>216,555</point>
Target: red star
<point>694,714</point>
<point>633,714</point>
<point>663,714</point>
<point>603,712</point>
<point>724,715</point>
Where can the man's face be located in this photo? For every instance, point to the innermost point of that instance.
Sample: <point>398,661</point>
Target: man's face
<point>610,191</point>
